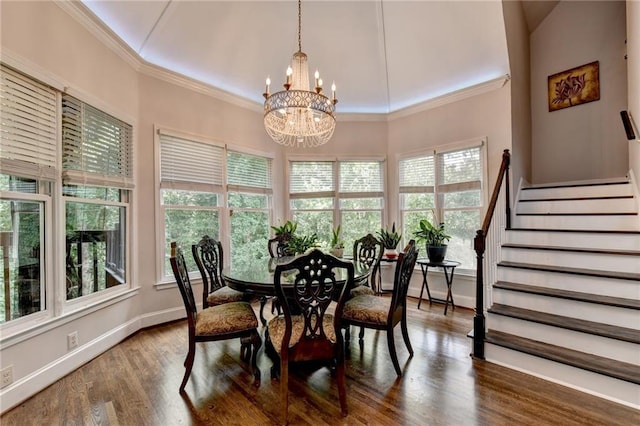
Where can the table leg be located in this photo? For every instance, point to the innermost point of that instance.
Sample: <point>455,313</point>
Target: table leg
<point>449,280</point>
<point>425,284</point>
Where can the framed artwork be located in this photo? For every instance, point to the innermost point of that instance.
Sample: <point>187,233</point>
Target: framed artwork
<point>573,87</point>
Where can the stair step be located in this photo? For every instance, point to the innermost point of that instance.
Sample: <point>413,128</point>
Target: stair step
<point>609,259</point>
<point>583,326</point>
<point>596,220</point>
<point>576,271</point>
<point>580,238</point>
<point>601,365</point>
<point>617,187</point>
<point>571,295</point>
<point>578,205</point>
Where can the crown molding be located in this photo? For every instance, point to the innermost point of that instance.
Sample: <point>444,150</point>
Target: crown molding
<point>452,97</point>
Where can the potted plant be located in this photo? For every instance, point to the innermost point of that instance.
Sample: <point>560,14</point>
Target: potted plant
<point>285,232</point>
<point>337,243</point>
<point>434,238</point>
<point>300,244</point>
<point>389,240</point>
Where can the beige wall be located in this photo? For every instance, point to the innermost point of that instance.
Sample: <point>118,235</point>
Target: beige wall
<point>520,68</point>
<point>585,141</point>
<point>633,71</point>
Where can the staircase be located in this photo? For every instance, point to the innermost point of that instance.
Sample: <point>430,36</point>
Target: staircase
<point>566,303</point>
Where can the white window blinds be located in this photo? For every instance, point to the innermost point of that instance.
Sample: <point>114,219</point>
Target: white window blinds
<point>248,173</point>
<point>311,179</point>
<point>417,174</point>
<point>190,165</point>
<point>460,170</point>
<point>361,179</point>
<point>28,127</point>
<point>97,149</point>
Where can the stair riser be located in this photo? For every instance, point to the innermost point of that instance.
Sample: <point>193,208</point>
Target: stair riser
<point>592,191</point>
<point>603,386</point>
<point>591,344</point>
<point>626,205</point>
<point>596,261</point>
<point>574,239</point>
<point>587,284</point>
<point>604,314</point>
<point>603,223</point>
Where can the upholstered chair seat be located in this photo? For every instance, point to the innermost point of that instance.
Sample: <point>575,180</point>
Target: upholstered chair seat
<point>277,327</point>
<point>227,318</point>
<point>362,290</point>
<point>367,308</point>
<point>225,295</point>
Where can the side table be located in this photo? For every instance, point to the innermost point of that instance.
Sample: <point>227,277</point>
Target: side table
<point>448,266</point>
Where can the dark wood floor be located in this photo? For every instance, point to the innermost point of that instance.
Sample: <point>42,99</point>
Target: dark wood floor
<point>136,383</point>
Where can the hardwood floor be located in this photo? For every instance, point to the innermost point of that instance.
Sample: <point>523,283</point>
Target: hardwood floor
<point>136,383</point>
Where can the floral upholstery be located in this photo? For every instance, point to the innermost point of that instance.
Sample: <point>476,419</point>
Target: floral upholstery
<point>361,290</point>
<point>224,295</point>
<point>226,318</point>
<point>368,309</point>
<point>277,327</point>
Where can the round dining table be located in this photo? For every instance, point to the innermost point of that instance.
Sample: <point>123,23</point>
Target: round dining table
<point>257,277</point>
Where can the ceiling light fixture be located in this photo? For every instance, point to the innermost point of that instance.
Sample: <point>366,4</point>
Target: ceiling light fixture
<point>297,116</point>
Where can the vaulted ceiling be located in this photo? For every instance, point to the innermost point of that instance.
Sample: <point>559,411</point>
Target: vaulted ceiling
<point>383,55</point>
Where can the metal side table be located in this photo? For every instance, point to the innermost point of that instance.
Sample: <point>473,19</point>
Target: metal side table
<point>448,266</point>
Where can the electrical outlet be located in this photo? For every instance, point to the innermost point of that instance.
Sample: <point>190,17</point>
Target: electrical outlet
<point>72,340</point>
<point>6,376</point>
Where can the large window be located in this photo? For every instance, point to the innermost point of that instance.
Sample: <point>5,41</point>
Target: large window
<point>98,179</point>
<point>203,183</point>
<point>325,194</point>
<point>28,137</point>
<point>444,186</point>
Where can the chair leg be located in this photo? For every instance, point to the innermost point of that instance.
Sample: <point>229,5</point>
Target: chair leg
<point>342,390</point>
<point>188,363</point>
<point>392,351</point>
<point>263,301</point>
<point>347,334</point>
<point>361,335</point>
<point>245,348</point>
<point>284,390</point>
<point>256,342</point>
<point>405,336</point>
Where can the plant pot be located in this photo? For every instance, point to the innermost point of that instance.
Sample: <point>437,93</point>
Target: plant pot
<point>390,253</point>
<point>436,253</point>
<point>337,252</point>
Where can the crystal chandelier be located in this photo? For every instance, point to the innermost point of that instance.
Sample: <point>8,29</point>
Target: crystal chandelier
<point>296,115</point>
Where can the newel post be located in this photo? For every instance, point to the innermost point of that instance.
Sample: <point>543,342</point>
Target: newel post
<point>478,319</point>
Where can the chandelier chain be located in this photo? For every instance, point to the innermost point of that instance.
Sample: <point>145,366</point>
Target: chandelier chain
<point>299,25</point>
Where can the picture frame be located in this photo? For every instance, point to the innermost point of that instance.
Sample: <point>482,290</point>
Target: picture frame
<point>574,86</point>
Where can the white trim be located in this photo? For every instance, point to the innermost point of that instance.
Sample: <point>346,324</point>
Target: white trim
<point>31,69</point>
<point>452,97</point>
<point>157,131</point>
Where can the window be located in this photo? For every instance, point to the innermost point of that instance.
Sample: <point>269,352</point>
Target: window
<point>444,186</point>
<point>191,193</point>
<point>249,202</point>
<point>28,120</point>
<point>201,184</point>
<point>98,179</point>
<point>323,194</point>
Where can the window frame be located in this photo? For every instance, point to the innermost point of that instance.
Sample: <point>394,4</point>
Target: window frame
<point>336,195</point>
<point>438,195</point>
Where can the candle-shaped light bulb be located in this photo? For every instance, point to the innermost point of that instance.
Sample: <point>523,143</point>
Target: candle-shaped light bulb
<point>289,74</point>
<point>333,90</point>
<point>268,83</point>
<point>317,76</point>
<point>319,82</point>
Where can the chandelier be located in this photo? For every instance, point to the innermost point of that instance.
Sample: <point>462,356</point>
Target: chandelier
<point>298,116</point>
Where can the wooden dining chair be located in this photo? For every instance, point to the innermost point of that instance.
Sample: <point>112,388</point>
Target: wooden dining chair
<point>368,251</point>
<point>221,322</point>
<point>306,286</point>
<point>384,313</point>
<point>209,258</point>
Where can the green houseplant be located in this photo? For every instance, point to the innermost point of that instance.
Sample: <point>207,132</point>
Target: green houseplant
<point>300,244</point>
<point>337,243</point>
<point>285,232</point>
<point>390,240</point>
<point>434,238</point>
